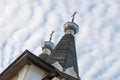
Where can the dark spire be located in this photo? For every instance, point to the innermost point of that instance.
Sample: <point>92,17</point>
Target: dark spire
<point>65,51</point>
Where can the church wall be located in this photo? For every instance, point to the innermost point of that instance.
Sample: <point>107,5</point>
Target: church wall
<point>30,72</point>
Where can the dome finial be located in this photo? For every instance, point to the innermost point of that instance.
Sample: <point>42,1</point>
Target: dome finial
<point>73,16</point>
<point>71,27</point>
<point>51,35</point>
<point>47,47</point>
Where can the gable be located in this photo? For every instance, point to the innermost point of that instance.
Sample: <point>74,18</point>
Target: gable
<point>31,65</point>
<point>27,58</point>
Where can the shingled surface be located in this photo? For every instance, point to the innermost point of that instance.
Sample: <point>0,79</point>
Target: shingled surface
<point>65,53</point>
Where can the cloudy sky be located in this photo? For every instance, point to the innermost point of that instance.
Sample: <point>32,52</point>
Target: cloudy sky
<point>25,24</point>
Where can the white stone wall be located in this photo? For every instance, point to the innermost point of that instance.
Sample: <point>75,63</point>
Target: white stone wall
<point>30,72</point>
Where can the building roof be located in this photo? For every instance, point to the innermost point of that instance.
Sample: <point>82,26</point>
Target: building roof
<point>27,58</point>
<point>65,53</point>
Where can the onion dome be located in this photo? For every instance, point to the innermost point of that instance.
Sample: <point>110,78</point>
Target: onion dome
<point>71,28</point>
<point>47,44</point>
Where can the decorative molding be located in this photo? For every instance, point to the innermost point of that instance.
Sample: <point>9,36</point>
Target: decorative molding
<point>58,66</point>
<point>71,71</point>
<point>55,78</point>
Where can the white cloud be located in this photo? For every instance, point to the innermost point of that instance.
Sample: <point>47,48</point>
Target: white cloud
<point>25,24</point>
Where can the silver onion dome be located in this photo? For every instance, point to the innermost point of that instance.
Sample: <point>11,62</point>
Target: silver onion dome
<point>71,27</point>
<point>48,45</point>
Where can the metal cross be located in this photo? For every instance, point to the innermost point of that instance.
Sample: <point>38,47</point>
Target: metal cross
<point>73,16</point>
<point>51,35</point>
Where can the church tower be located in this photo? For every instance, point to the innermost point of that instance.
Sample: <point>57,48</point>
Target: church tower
<point>64,56</point>
<point>54,63</point>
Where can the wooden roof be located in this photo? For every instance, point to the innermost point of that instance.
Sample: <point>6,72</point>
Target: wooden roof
<point>27,58</point>
<point>65,53</point>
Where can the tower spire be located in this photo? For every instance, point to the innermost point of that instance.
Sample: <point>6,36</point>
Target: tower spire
<point>63,57</point>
